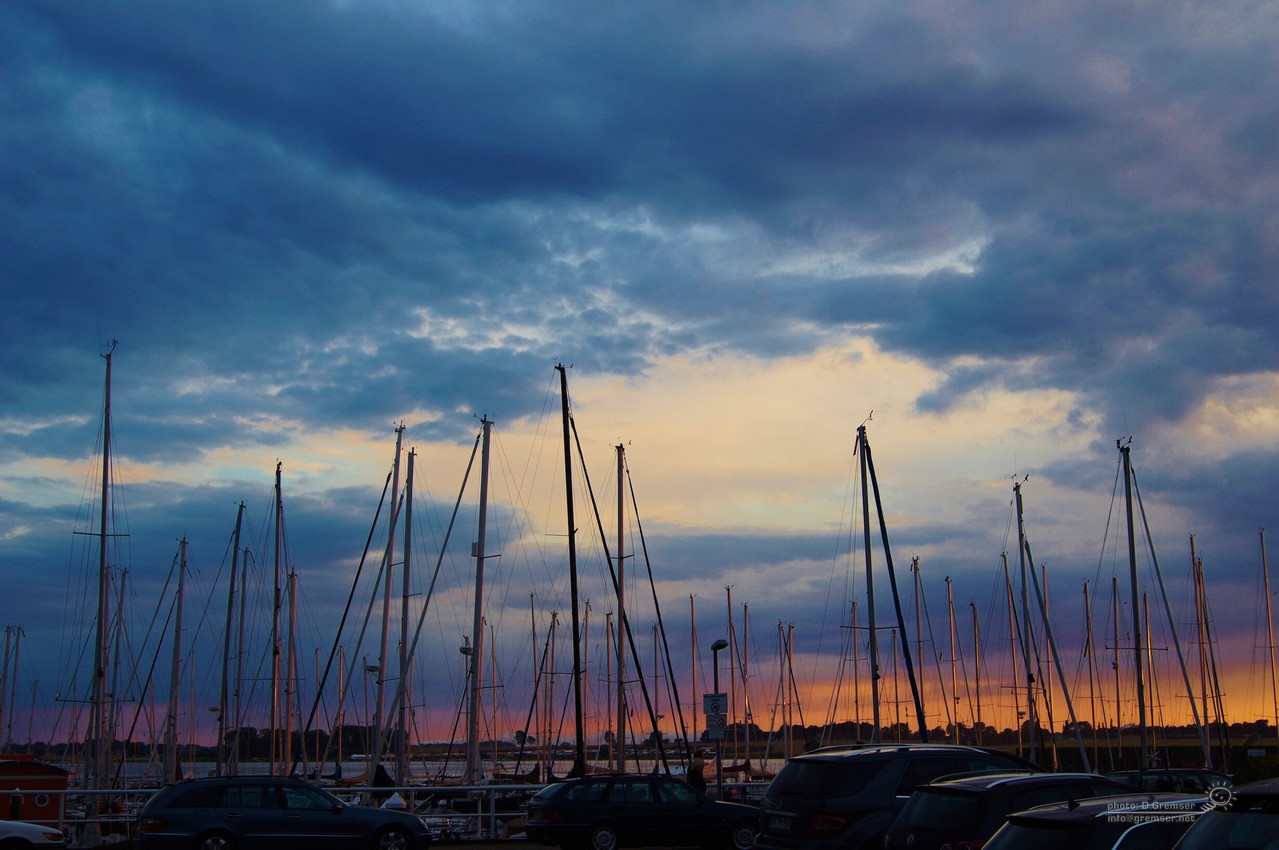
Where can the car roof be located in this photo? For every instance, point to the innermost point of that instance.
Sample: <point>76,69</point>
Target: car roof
<point>1083,811</point>
<point>1184,771</point>
<point>597,776</point>
<point>1263,787</point>
<point>872,750</point>
<point>981,782</point>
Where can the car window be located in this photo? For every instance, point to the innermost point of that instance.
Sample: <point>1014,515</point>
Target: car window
<point>983,763</point>
<point>587,790</point>
<point>1157,835</point>
<point>631,791</point>
<point>1055,793</point>
<point>676,792</point>
<point>296,797</point>
<point>1051,837</point>
<point>1094,789</point>
<point>823,780</point>
<point>958,813</point>
<point>199,798</point>
<point>251,796</point>
<point>926,769</point>
<point>551,790</point>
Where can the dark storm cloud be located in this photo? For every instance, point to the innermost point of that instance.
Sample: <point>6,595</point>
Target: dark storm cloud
<point>348,157</point>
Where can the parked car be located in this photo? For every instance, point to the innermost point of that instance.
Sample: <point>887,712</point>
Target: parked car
<point>966,811</point>
<point>1126,822</point>
<point>270,813</point>
<point>628,810</point>
<point>846,797</point>
<point>1186,780</point>
<point>18,834</point>
<point>1246,818</point>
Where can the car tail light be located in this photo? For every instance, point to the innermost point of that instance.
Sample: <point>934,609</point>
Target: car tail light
<point>150,824</point>
<point>826,826</point>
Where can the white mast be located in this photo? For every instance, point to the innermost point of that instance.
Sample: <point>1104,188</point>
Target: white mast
<point>388,567</point>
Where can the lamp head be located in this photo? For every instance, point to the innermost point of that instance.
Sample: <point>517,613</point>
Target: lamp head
<point>718,645</point>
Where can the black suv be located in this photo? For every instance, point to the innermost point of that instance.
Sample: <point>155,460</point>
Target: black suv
<point>1123,822</point>
<point>268,813</point>
<point>846,797</point>
<point>965,811</point>
<point>1245,818</point>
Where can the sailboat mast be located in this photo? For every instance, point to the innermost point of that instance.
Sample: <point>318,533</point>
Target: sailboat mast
<point>1119,702</point>
<point>954,659</point>
<point>406,660</point>
<point>919,619</point>
<point>619,645</point>
<point>1031,716</point>
<point>747,716</point>
<point>1196,576</point>
<point>1092,673</point>
<point>1012,647</point>
<point>579,737</point>
<point>175,674</point>
<point>18,635</point>
<point>275,626</point>
<point>1125,452</point>
<point>388,567</point>
<point>870,586</point>
<point>977,724</point>
<point>226,640</point>
<point>892,586</point>
<point>1270,633</point>
<point>692,622</point>
<point>100,733</point>
<point>4,686</point>
<point>857,682</point>
<point>473,724</point>
<point>291,676</point>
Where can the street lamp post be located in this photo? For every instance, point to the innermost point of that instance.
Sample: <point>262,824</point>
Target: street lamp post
<point>719,742</point>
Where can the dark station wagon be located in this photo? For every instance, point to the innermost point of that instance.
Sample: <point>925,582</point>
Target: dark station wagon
<point>268,813</point>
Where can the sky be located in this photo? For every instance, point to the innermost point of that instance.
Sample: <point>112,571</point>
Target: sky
<point>1003,236</point>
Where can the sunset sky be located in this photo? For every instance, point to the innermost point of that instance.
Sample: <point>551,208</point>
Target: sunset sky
<point>1002,236</point>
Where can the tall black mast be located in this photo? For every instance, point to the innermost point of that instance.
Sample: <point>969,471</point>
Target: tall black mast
<point>579,742</point>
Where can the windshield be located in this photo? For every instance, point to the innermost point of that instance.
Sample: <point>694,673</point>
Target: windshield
<point>1250,824</point>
